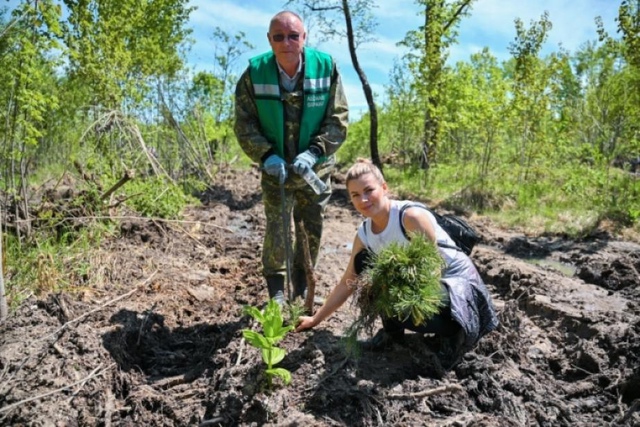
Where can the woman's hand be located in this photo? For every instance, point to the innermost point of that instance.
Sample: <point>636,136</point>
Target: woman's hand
<point>305,322</point>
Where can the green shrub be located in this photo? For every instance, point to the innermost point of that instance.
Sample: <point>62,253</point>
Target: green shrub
<point>156,197</point>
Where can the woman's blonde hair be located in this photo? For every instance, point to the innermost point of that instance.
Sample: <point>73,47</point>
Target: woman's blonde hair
<point>362,167</point>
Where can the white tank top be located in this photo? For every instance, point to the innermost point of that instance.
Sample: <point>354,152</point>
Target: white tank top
<point>393,232</point>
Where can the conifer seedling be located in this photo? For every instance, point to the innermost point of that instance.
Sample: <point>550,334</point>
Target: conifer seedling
<point>401,281</point>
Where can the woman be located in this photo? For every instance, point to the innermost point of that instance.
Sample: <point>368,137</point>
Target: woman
<point>467,313</point>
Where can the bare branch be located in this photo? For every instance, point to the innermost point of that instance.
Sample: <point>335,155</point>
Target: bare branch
<point>457,13</point>
<point>79,318</point>
<point>449,388</point>
<point>93,374</point>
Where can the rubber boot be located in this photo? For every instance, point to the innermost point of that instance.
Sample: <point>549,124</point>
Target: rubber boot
<point>299,280</point>
<point>275,286</point>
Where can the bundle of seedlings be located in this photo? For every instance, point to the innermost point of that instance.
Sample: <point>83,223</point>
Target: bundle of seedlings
<point>401,281</point>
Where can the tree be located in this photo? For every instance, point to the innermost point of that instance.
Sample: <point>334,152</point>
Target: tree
<point>4,308</point>
<point>228,50</point>
<point>209,105</point>
<point>629,26</point>
<point>474,115</point>
<point>29,93</point>
<point>530,98</point>
<point>401,116</point>
<point>115,56</point>
<point>358,27</point>
<point>611,98</point>
<point>430,43</point>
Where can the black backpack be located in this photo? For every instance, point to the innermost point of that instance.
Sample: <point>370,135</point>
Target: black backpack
<point>462,233</point>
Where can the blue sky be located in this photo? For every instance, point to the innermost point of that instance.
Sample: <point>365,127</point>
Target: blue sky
<point>491,24</point>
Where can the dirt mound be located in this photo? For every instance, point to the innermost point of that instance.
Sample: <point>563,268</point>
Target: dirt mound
<point>160,343</point>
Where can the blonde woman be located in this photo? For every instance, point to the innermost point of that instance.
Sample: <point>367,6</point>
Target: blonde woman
<point>468,312</point>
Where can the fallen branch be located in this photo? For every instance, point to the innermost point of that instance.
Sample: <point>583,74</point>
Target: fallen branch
<point>87,177</point>
<point>170,382</point>
<point>240,352</point>
<point>635,406</point>
<point>213,421</point>
<point>451,388</point>
<point>128,175</point>
<point>59,350</point>
<point>79,318</point>
<point>146,317</point>
<point>124,199</point>
<point>83,382</point>
<point>31,399</point>
<point>330,374</point>
<point>109,407</point>
<point>189,235</point>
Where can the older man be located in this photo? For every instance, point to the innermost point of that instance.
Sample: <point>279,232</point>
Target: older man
<point>291,115</point>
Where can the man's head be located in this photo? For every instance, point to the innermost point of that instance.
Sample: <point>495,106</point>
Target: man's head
<point>287,36</point>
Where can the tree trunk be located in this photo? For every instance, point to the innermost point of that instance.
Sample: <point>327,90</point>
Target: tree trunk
<point>4,308</point>
<point>368,93</point>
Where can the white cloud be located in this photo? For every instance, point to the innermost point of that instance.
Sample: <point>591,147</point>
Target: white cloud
<point>231,15</point>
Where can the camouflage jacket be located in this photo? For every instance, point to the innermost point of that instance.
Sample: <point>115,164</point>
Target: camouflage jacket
<point>331,136</point>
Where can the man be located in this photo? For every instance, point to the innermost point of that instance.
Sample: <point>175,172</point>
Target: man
<point>291,117</point>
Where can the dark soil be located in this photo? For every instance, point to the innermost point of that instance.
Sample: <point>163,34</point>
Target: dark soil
<point>159,341</point>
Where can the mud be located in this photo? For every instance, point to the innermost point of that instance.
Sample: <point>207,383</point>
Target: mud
<point>158,342</point>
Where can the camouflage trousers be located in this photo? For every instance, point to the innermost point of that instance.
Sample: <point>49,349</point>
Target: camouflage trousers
<point>306,207</point>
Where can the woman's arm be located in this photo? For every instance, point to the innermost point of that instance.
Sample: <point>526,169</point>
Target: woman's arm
<point>416,220</point>
<point>338,295</point>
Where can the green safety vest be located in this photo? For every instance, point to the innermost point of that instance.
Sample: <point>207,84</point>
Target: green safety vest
<point>318,68</point>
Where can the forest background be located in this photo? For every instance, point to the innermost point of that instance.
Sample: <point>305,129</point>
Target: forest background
<point>105,114</point>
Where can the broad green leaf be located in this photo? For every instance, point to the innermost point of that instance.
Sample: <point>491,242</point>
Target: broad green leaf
<point>273,319</point>
<point>255,313</point>
<point>270,326</point>
<point>280,372</point>
<point>284,330</point>
<point>275,336</point>
<point>273,356</point>
<point>255,339</point>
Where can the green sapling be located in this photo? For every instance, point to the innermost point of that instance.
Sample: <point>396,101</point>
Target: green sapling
<point>273,331</point>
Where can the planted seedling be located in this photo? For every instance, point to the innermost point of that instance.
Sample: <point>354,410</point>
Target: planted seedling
<point>273,330</point>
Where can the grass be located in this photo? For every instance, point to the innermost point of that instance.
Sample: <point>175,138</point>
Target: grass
<point>572,200</point>
<point>47,264</point>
